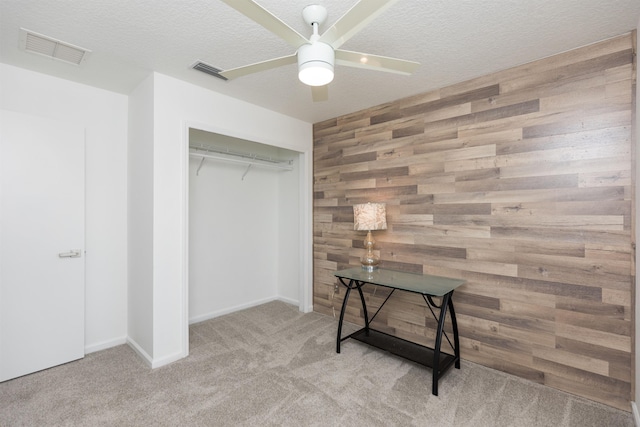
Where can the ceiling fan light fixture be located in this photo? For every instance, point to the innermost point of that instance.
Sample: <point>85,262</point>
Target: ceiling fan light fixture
<point>315,64</point>
<point>315,73</point>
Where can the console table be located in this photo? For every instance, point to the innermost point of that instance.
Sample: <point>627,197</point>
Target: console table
<point>423,284</point>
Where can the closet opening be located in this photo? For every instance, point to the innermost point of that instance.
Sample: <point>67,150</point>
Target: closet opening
<point>245,225</point>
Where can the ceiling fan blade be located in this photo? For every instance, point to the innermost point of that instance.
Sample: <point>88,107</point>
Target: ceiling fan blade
<point>259,66</point>
<point>320,93</point>
<point>375,62</point>
<point>257,13</point>
<point>354,20</point>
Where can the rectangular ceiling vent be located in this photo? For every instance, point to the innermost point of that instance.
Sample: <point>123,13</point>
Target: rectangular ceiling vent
<point>208,69</point>
<point>52,48</point>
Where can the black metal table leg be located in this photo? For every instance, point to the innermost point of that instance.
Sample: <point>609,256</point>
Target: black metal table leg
<point>456,339</point>
<point>364,306</point>
<point>436,351</point>
<point>344,306</point>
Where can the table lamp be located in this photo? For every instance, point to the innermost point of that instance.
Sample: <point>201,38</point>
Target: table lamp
<point>368,217</point>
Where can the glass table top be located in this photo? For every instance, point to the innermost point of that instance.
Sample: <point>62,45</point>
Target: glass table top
<point>412,282</point>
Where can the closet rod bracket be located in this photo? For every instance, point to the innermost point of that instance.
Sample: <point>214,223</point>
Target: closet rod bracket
<point>200,166</point>
<point>246,171</point>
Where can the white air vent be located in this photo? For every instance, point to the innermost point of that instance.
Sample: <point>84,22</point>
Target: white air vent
<point>52,48</point>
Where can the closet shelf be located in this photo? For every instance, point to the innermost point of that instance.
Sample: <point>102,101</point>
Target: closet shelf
<point>244,158</point>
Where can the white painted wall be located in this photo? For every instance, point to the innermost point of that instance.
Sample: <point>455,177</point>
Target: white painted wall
<point>104,116</point>
<point>140,217</point>
<point>233,238</point>
<point>289,232</point>
<point>147,247</point>
<point>178,105</point>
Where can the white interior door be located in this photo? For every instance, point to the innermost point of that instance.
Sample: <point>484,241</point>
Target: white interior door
<point>41,243</point>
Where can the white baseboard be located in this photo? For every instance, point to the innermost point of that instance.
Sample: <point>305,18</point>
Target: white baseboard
<point>307,309</point>
<point>302,308</point>
<point>636,415</point>
<point>289,301</point>
<point>218,313</point>
<point>150,361</point>
<point>92,348</point>
<point>143,354</point>
<point>157,363</point>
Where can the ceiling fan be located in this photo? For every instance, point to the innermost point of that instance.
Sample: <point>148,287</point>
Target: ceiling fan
<point>317,55</point>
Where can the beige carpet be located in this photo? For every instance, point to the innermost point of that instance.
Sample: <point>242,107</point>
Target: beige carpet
<point>273,366</point>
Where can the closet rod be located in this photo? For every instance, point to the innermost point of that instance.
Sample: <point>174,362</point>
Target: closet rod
<point>240,158</point>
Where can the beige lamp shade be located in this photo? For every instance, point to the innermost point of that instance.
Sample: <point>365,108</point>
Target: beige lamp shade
<point>369,216</point>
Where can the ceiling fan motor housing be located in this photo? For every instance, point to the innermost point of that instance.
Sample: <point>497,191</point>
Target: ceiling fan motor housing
<point>315,64</point>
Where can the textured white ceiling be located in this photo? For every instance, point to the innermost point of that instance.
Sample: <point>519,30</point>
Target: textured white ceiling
<point>454,40</point>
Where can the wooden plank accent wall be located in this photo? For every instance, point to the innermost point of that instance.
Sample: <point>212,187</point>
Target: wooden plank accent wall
<point>519,182</point>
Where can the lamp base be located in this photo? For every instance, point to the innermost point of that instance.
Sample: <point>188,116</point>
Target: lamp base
<point>369,260</point>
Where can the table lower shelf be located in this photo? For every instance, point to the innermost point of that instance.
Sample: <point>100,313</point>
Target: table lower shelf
<point>406,349</point>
